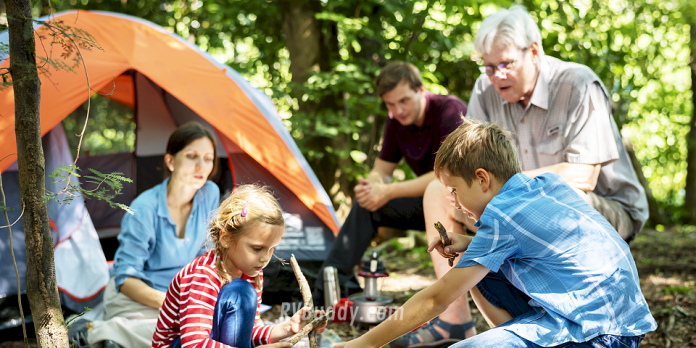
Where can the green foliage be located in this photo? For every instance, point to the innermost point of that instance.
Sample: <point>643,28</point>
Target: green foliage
<point>676,290</point>
<point>70,41</point>
<point>640,50</point>
<point>396,244</point>
<point>54,37</point>
<point>108,186</point>
<point>73,318</point>
<point>110,128</point>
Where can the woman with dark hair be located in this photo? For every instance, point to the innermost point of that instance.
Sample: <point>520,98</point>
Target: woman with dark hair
<point>166,232</point>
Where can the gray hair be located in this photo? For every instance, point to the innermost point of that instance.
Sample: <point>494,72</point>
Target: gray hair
<point>508,26</point>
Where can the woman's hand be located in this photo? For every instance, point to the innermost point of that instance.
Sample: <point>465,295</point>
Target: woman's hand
<point>142,293</point>
<point>303,317</point>
<point>459,244</point>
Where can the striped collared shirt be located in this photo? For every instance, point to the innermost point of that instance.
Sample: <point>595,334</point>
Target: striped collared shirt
<point>189,306</point>
<point>556,248</point>
<point>568,119</point>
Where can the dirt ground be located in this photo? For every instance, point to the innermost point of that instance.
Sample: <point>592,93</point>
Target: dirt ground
<point>666,264</point>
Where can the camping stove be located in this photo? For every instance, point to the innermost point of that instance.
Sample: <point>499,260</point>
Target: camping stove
<point>371,307</point>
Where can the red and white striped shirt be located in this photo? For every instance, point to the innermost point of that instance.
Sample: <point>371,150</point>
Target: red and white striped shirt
<point>189,306</point>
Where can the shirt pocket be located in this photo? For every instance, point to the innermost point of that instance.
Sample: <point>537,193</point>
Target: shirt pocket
<point>549,150</point>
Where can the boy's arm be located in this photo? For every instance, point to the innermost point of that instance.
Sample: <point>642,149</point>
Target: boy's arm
<point>424,306</point>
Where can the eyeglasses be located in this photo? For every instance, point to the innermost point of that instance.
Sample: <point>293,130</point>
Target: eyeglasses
<point>504,67</point>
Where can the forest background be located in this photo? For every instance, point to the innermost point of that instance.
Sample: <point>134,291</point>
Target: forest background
<point>317,60</point>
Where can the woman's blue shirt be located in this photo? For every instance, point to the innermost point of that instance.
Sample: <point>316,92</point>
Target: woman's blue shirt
<point>149,248</point>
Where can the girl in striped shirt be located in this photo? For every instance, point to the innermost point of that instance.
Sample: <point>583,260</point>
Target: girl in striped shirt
<point>214,300</point>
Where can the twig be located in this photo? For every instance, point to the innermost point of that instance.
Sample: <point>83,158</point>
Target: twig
<point>16,221</point>
<point>14,262</point>
<point>309,327</point>
<point>306,296</point>
<point>8,155</point>
<point>89,89</point>
<point>445,240</point>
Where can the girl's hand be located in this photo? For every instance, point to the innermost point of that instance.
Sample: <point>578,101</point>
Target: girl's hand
<point>459,244</point>
<point>303,317</point>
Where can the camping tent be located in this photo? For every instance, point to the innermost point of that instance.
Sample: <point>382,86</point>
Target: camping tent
<point>168,81</point>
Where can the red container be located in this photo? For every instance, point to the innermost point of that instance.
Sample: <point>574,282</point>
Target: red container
<point>343,311</point>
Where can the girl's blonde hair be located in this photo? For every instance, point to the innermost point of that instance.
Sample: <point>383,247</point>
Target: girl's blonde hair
<point>257,204</point>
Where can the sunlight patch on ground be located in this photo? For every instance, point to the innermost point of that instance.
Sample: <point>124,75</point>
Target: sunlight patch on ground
<point>674,281</point>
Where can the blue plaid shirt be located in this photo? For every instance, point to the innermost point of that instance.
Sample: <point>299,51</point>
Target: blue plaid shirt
<point>560,251</point>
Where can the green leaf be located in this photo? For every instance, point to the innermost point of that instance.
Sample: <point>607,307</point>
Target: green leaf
<point>358,156</point>
<point>356,45</point>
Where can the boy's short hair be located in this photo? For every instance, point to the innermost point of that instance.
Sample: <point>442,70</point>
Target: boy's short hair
<point>474,145</point>
<point>395,72</point>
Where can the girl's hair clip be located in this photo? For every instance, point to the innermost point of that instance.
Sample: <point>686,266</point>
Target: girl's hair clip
<point>245,209</point>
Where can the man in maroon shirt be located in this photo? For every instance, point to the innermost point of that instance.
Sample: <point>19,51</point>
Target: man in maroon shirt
<point>418,123</point>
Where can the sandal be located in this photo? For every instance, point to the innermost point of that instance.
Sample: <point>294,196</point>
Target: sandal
<point>428,337</point>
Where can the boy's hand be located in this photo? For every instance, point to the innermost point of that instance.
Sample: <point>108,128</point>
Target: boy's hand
<point>303,317</point>
<point>459,244</point>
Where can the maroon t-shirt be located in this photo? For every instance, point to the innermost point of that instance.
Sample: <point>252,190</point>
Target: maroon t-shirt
<point>443,114</point>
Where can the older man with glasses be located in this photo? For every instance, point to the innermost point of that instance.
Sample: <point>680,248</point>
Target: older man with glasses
<point>560,117</point>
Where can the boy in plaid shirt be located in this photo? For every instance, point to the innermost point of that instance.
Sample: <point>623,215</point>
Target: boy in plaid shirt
<point>566,277</point>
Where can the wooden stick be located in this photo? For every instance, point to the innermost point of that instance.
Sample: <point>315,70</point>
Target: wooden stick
<point>310,327</point>
<point>306,297</point>
<point>304,286</point>
<point>445,240</point>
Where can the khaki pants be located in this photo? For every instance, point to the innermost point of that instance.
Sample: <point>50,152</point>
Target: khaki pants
<point>126,322</point>
<point>612,211</point>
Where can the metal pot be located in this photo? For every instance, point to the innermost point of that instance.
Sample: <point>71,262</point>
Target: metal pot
<point>370,309</point>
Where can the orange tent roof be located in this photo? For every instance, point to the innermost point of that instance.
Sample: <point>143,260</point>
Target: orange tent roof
<point>214,91</point>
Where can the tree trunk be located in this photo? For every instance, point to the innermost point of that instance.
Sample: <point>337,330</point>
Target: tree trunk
<point>302,40</point>
<point>690,196</point>
<point>307,46</point>
<point>42,289</point>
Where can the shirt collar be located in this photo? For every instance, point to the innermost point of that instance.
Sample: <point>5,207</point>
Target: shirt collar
<point>514,182</point>
<point>540,96</point>
<point>427,121</point>
<point>162,209</point>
